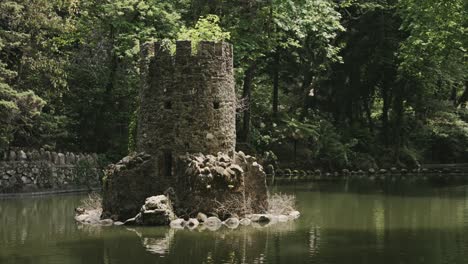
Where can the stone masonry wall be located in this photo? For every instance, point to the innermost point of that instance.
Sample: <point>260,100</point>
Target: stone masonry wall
<point>39,170</point>
<point>187,101</point>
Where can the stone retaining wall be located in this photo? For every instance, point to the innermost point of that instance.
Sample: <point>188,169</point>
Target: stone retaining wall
<point>447,174</point>
<point>33,170</point>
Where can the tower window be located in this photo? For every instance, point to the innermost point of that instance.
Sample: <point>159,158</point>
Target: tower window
<point>216,105</point>
<point>168,105</point>
<point>167,163</point>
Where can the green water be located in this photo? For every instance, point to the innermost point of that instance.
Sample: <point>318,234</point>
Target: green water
<point>339,224</point>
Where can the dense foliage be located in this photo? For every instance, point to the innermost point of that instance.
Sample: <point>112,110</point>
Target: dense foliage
<point>322,83</point>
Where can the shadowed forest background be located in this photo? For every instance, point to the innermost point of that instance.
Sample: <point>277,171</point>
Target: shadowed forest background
<point>320,83</point>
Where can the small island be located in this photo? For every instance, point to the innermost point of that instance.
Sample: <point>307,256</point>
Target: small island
<point>186,166</point>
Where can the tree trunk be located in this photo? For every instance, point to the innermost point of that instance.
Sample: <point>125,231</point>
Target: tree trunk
<point>308,76</point>
<point>103,123</point>
<point>464,97</point>
<point>275,99</point>
<point>398,120</point>
<point>247,96</point>
<point>385,109</point>
<point>366,102</point>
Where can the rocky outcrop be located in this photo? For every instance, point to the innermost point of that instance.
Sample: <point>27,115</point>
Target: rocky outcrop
<point>127,184</point>
<point>223,185</point>
<point>93,217</point>
<point>156,211</point>
<point>207,184</point>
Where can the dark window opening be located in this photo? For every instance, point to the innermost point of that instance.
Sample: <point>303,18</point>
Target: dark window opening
<point>167,163</point>
<point>216,105</point>
<point>167,105</point>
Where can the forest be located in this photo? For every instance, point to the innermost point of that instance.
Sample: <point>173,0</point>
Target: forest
<point>320,83</point>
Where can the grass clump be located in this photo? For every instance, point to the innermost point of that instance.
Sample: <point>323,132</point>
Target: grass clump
<point>92,202</point>
<point>281,204</point>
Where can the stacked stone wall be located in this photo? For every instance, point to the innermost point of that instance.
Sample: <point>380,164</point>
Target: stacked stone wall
<point>38,170</point>
<point>187,101</point>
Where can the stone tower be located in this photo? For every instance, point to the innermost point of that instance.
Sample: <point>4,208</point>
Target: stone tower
<point>186,138</point>
<point>187,102</point>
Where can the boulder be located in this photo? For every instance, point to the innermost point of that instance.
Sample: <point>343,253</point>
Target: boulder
<point>213,223</point>
<point>192,223</point>
<point>89,217</point>
<point>177,223</point>
<point>232,223</point>
<point>157,210</point>
<point>245,221</point>
<point>201,217</point>
<point>126,188</point>
<point>260,218</point>
<point>294,214</point>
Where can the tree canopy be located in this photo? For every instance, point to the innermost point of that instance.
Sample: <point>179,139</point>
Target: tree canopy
<point>323,83</point>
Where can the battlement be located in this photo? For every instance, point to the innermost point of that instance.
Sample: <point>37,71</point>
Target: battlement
<point>205,49</point>
<point>184,72</point>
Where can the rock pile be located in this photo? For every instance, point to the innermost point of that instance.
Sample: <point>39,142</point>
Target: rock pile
<point>217,172</point>
<point>224,185</point>
<point>156,211</point>
<point>214,223</point>
<point>93,217</point>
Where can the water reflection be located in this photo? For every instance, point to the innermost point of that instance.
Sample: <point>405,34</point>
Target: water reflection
<point>155,243</point>
<point>314,240</point>
<point>339,224</point>
<point>243,245</point>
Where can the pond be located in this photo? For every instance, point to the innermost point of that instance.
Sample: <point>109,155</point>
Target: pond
<point>340,223</point>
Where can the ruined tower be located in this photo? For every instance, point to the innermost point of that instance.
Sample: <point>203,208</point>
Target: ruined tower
<point>187,102</point>
<point>186,137</point>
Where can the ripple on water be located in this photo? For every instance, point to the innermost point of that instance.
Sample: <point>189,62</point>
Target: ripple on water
<point>336,226</point>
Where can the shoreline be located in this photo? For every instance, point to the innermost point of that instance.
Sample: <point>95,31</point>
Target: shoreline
<point>48,192</point>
